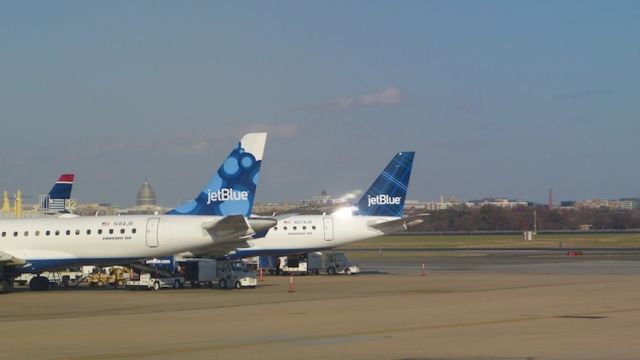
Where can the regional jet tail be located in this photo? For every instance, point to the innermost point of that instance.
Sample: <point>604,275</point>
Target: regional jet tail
<point>387,194</point>
<point>55,201</point>
<point>232,188</point>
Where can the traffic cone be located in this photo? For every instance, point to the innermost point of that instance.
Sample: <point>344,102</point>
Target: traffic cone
<point>424,270</point>
<point>261,278</point>
<point>292,285</point>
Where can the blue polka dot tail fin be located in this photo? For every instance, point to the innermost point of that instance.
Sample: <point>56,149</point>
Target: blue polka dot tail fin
<point>387,194</point>
<point>232,188</point>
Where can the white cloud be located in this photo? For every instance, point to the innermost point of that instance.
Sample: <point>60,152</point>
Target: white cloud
<point>277,130</point>
<point>186,142</point>
<point>389,97</point>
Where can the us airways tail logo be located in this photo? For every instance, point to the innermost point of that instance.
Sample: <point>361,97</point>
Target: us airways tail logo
<point>226,195</point>
<point>383,200</point>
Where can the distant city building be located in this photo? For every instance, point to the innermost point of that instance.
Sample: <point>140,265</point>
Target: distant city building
<point>599,203</point>
<point>146,195</point>
<point>498,202</point>
<point>274,208</point>
<point>146,202</point>
<point>630,203</point>
<point>323,200</point>
<point>443,204</point>
<point>93,209</point>
<point>568,204</point>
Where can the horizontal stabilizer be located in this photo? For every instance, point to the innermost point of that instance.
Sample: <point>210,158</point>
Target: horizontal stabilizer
<point>232,226</point>
<point>394,226</point>
<point>233,232</point>
<point>261,224</point>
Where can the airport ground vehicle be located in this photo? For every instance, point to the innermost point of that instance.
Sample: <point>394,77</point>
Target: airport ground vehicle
<point>200,272</point>
<point>330,262</point>
<point>311,263</point>
<point>149,282</point>
<point>234,273</point>
<point>293,265</point>
<point>197,272</point>
<point>56,278</point>
<point>117,276</point>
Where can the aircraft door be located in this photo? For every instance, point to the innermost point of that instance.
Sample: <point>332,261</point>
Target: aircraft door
<point>152,232</point>
<point>328,228</point>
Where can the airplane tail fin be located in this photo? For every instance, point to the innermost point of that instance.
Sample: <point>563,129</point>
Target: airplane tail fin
<point>232,188</point>
<point>60,192</point>
<point>62,188</point>
<point>387,194</point>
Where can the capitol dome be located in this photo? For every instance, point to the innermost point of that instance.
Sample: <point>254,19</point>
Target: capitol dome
<point>146,195</point>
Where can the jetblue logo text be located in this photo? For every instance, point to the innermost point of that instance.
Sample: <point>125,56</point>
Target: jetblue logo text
<point>383,200</point>
<point>226,195</point>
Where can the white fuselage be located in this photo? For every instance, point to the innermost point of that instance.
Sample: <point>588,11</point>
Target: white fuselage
<point>304,233</point>
<point>46,243</point>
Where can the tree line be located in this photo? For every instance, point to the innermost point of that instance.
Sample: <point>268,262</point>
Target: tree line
<point>492,218</point>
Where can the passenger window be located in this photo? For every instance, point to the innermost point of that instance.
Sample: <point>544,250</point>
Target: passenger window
<point>295,228</point>
<point>313,227</point>
<point>26,233</point>
<point>4,233</point>
<point>133,231</point>
<point>47,233</point>
<point>37,232</point>
<point>68,232</point>
<point>15,233</point>
<point>284,228</point>
<point>110,231</point>
<point>99,231</point>
<point>57,232</point>
<point>275,228</point>
<point>88,232</point>
<point>121,231</point>
<point>77,232</point>
<point>304,228</point>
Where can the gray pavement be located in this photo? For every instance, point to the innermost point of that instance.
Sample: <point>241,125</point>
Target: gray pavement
<point>475,305</point>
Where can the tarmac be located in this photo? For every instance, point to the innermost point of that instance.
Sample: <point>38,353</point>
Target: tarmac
<point>468,305</point>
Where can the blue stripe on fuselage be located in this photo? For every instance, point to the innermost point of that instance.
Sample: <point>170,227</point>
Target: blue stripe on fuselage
<point>244,253</point>
<point>40,265</point>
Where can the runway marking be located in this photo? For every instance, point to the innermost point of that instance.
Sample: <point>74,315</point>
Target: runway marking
<point>336,338</point>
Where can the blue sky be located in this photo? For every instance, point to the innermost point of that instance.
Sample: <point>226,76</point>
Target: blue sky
<point>497,98</point>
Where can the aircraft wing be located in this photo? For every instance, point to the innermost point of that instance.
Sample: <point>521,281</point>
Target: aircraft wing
<point>8,259</point>
<point>394,226</point>
<point>232,232</point>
